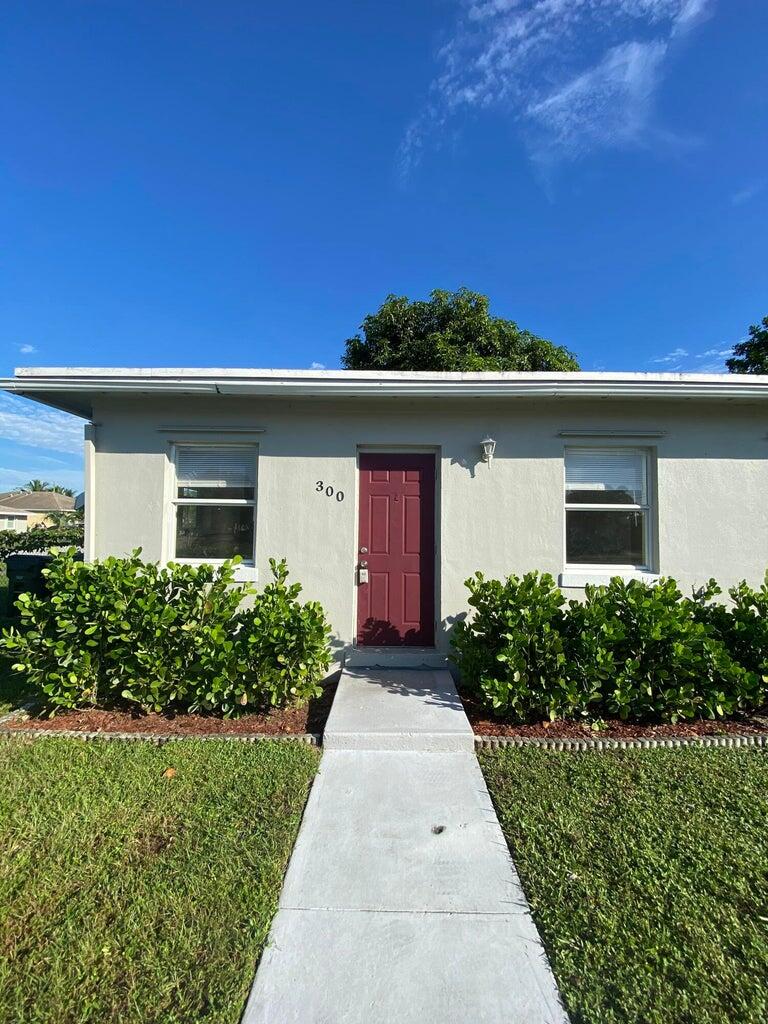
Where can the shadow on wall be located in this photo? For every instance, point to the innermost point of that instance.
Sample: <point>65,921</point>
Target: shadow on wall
<point>468,462</point>
<point>338,649</point>
<point>448,623</point>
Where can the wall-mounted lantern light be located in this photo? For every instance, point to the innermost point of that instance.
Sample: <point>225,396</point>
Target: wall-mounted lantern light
<point>489,447</point>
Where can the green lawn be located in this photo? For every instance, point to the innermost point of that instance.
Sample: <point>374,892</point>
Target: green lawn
<point>129,896</point>
<point>647,872</point>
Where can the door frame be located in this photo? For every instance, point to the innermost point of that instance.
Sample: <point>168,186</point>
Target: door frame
<point>376,448</point>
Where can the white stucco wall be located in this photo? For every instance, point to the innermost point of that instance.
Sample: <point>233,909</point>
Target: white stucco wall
<point>711,490</point>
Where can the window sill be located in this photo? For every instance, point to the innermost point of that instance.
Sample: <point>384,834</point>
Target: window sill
<point>242,573</point>
<point>599,577</point>
<point>246,573</point>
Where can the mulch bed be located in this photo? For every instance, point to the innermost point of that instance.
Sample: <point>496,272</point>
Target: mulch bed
<point>312,717</point>
<point>274,722</point>
<point>485,725</point>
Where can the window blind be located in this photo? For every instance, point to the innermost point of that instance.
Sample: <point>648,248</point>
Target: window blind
<point>211,466</point>
<point>606,471</point>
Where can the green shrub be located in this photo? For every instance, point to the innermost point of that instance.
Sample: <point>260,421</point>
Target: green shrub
<point>125,628</point>
<point>649,656</point>
<point>742,627</point>
<point>281,647</point>
<point>165,636</point>
<point>511,651</point>
<point>630,649</point>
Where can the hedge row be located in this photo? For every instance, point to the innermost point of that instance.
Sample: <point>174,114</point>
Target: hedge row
<point>41,538</point>
<point>168,636</point>
<point>630,650</point>
<point>181,636</point>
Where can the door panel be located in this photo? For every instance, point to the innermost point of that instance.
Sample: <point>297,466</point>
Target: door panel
<point>379,519</point>
<point>396,606</point>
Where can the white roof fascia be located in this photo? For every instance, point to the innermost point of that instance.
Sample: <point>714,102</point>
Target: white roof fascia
<point>54,385</point>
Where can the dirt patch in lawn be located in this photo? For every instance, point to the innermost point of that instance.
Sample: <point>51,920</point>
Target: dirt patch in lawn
<point>484,724</point>
<point>274,722</point>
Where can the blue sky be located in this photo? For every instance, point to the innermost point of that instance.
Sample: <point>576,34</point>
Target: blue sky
<point>190,182</point>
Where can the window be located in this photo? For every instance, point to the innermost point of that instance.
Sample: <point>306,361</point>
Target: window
<point>16,523</point>
<point>215,502</point>
<point>607,512</point>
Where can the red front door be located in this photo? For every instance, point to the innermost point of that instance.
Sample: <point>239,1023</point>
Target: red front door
<point>396,538</point>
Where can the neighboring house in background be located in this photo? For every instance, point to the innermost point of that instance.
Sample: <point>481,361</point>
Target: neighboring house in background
<point>13,519</point>
<point>385,491</point>
<point>37,505</point>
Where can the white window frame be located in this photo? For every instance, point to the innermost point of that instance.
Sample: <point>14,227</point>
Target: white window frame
<point>247,568</point>
<point>603,569</point>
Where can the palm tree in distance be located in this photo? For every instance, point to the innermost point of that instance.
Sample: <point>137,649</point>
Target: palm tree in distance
<point>43,485</point>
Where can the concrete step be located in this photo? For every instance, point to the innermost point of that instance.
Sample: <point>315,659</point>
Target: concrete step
<point>395,657</point>
<point>397,709</point>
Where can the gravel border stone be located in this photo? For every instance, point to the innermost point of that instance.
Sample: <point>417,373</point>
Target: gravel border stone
<point>481,742</point>
<point>311,739</point>
<point>496,742</point>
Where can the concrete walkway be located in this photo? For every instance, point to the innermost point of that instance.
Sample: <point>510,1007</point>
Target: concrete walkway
<point>398,709</point>
<point>401,903</point>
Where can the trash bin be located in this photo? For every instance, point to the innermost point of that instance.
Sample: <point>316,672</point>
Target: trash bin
<point>25,576</point>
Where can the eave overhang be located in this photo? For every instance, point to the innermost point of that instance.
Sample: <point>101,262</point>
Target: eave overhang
<point>76,390</point>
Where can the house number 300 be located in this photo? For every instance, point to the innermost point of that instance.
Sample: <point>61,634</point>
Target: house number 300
<point>322,488</point>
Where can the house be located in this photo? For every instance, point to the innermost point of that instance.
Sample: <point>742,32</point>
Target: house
<point>385,491</point>
<point>37,506</point>
<point>13,519</point>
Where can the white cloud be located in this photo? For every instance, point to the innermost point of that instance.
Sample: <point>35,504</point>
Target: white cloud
<point>749,192</point>
<point>711,361</point>
<point>50,460</point>
<point>13,479</point>
<point>38,427</point>
<point>317,366</point>
<point>691,13</point>
<point>607,105</point>
<point>679,359</point>
<point>574,74</point>
<point>720,352</point>
<point>27,349</point>
<point>672,357</point>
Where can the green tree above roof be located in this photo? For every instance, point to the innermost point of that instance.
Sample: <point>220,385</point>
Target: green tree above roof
<point>751,355</point>
<point>449,331</point>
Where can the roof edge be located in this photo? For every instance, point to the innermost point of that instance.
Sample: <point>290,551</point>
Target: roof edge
<point>98,373</point>
<point>73,389</point>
